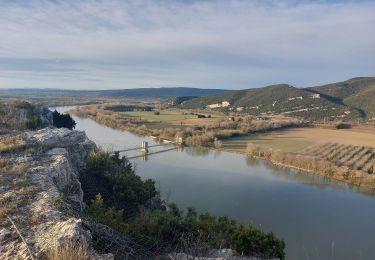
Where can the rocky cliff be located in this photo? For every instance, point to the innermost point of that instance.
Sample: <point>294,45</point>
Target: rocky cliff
<point>37,178</point>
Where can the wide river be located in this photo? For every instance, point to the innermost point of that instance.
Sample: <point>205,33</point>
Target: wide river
<point>318,218</point>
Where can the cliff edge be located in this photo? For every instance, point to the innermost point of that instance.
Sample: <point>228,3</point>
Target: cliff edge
<point>38,174</point>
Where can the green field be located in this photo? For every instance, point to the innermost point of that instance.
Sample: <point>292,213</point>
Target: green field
<point>157,125</point>
<point>266,141</point>
<point>168,116</point>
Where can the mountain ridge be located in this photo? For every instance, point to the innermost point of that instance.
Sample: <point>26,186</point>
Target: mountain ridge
<point>350,99</point>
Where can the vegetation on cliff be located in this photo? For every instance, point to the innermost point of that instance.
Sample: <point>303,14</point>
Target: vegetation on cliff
<point>20,115</point>
<point>63,120</point>
<point>120,175</point>
<point>170,229</point>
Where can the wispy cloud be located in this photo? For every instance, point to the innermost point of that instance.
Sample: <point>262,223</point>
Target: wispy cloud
<point>229,44</point>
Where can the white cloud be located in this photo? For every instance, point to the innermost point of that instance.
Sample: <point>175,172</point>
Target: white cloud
<point>229,44</point>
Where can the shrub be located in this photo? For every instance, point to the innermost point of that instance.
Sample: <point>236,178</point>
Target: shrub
<point>253,149</point>
<point>110,217</point>
<point>63,120</point>
<point>205,232</point>
<point>33,121</point>
<point>249,240</point>
<point>24,115</point>
<point>119,172</point>
<point>341,125</point>
<point>99,163</point>
<point>58,202</point>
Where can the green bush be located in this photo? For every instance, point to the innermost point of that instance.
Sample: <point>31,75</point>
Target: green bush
<point>247,240</point>
<point>63,120</point>
<point>33,121</point>
<point>205,232</point>
<point>126,185</point>
<point>110,217</point>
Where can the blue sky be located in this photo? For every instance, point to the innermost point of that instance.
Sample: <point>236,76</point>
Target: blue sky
<point>229,44</point>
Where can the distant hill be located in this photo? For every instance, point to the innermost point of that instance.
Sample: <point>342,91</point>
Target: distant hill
<point>358,93</point>
<point>137,93</point>
<point>346,100</point>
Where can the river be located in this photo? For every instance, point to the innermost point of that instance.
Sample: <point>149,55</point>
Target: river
<point>318,218</point>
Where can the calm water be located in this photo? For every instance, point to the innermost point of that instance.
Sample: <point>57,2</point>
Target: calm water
<point>318,218</point>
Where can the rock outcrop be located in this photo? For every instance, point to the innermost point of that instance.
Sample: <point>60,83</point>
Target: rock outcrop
<point>35,184</point>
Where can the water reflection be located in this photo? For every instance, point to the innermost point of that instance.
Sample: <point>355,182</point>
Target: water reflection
<point>310,178</point>
<point>196,151</point>
<point>251,161</point>
<point>310,212</point>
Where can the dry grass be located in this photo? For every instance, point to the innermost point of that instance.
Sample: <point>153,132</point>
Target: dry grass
<point>359,136</point>
<point>3,214</point>
<point>36,220</point>
<point>11,143</point>
<point>12,170</point>
<point>3,163</point>
<point>70,251</point>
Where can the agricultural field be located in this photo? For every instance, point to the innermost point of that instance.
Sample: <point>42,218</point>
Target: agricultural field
<point>173,118</point>
<point>266,141</point>
<point>297,139</point>
<point>354,157</point>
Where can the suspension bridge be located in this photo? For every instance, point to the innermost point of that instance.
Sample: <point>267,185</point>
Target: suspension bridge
<point>144,148</point>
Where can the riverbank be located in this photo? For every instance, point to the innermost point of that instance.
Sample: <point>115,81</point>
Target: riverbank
<point>314,165</point>
<point>295,160</point>
<point>206,131</point>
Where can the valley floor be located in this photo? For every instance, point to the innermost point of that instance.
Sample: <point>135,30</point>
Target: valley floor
<point>297,139</point>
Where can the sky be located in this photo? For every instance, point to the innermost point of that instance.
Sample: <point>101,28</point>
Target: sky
<point>231,44</point>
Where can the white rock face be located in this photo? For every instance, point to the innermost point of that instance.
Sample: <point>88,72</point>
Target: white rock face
<point>51,173</point>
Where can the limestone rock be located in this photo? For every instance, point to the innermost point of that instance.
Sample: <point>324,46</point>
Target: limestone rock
<point>51,172</point>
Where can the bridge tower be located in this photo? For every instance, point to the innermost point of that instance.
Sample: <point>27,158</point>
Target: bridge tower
<point>144,147</point>
<point>179,140</point>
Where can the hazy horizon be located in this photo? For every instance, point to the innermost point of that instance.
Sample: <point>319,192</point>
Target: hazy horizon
<point>92,45</point>
<point>140,87</point>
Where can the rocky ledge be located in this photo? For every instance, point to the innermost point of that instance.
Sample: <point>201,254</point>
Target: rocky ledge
<point>34,182</point>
